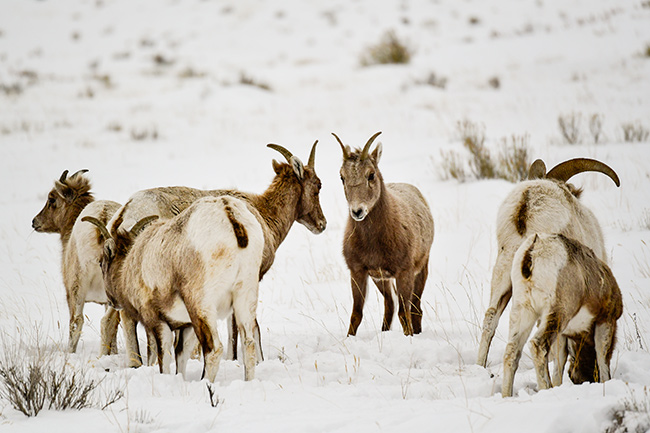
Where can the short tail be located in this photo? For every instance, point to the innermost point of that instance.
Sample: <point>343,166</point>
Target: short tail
<point>240,231</point>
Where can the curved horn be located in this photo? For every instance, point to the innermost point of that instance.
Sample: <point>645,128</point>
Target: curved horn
<point>79,172</point>
<point>63,177</point>
<point>282,150</point>
<point>366,148</point>
<point>100,225</point>
<point>567,169</point>
<point>312,156</point>
<point>346,154</point>
<point>537,170</point>
<point>142,224</point>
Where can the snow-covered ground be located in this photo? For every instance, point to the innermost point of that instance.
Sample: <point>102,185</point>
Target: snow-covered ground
<point>148,93</point>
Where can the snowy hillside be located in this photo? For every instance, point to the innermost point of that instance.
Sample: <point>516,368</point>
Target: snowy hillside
<point>156,93</point>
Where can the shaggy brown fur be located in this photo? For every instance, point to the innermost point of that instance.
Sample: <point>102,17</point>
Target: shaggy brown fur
<point>69,197</point>
<point>64,204</point>
<point>392,239</point>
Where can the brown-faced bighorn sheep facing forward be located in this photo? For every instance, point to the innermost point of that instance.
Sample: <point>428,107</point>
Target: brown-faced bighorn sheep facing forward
<point>544,204</point>
<point>293,195</point>
<point>572,294</point>
<point>388,237</point>
<point>67,203</point>
<point>187,272</point>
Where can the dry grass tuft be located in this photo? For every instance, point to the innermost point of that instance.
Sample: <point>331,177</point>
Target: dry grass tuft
<point>389,50</point>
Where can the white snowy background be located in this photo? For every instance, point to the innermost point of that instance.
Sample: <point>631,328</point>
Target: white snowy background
<point>148,93</point>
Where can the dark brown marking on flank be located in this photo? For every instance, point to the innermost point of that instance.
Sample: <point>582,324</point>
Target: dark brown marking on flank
<point>527,262</point>
<point>521,216</point>
<point>238,228</point>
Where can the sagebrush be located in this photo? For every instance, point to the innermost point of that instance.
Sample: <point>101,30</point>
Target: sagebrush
<point>34,378</point>
<point>390,49</point>
<point>511,161</point>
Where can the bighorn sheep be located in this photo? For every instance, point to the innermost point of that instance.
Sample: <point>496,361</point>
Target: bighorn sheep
<point>293,195</point>
<point>545,203</point>
<point>187,272</point>
<point>572,293</point>
<point>67,203</point>
<point>388,237</point>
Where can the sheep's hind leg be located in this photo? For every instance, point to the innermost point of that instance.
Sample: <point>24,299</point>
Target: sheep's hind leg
<point>500,294</point>
<point>108,327</point>
<point>76,307</point>
<point>522,321</point>
<point>416,299</point>
<point>604,334</point>
<point>186,343</point>
<point>539,347</point>
<point>404,295</point>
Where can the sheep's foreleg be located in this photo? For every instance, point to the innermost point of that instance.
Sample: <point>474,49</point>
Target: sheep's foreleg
<point>359,283</point>
<point>385,287</point>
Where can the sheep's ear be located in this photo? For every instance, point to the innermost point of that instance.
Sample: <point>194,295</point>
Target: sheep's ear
<point>64,191</point>
<point>376,154</point>
<point>298,167</point>
<point>110,248</point>
<point>276,166</point>
<point>537,170</point>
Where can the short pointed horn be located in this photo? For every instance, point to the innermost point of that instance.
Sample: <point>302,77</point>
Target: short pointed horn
<point>537,170</point>
<point>567,169</point>
<point>100,225</point>
<point>366,148</point>
<point>346,154</point>
<point>142,224</point>
<point>64,176</point>
<point>79,172</point>
<point>282,150</point>
<point>312,156</point>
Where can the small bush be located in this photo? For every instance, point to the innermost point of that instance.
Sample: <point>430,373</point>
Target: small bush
<point>635,132</point>
<point>247,80</point>
<point>33,380</point>
<point>632,414</point>
<point>511,163</point>
<point>452,166</point>
<point>494,82</point>
<point>161,60</point>
<point>190,72</point>
<point>570,126</point>
<point>14,89</point>
<point>389,50</point>
<point>514,158</point>
<point>596,127</point>
<point>433,80</point>
<point>144,133</point>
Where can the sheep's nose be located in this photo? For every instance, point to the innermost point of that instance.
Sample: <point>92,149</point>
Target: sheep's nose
<point>358,214</point>
<point>34,225</point>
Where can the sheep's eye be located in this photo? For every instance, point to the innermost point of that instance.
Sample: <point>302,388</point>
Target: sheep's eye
<point>371,177</point>
<point>343,180</point>
<point>51,201</point>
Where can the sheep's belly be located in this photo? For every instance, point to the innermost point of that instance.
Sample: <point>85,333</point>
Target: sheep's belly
<point>581,322</point>
<point>177,313</point>
<point>380,274</point>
